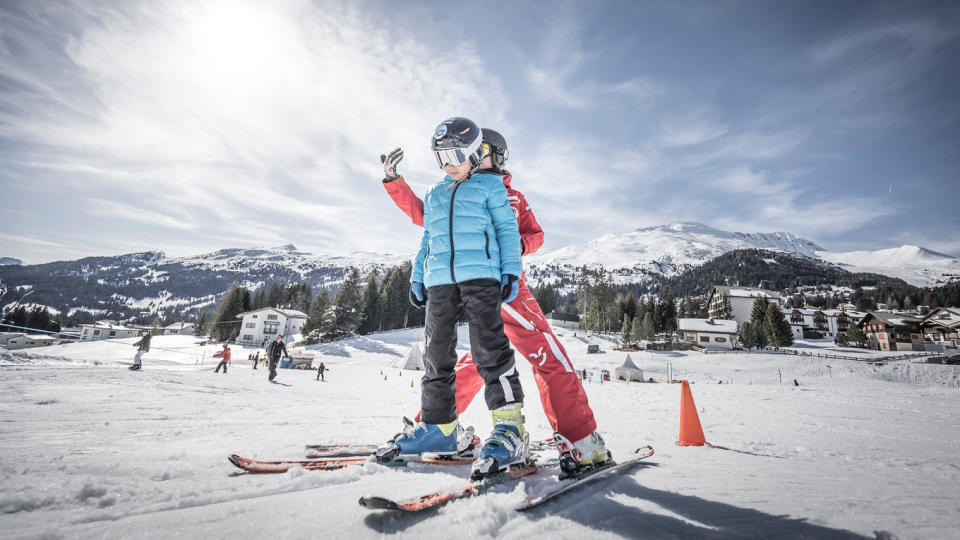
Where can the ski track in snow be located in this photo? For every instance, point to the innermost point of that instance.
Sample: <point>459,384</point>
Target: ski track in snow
<point>93,450</point>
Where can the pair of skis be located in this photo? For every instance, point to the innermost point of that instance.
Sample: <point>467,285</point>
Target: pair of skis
<point>330,457</point>
<point>472,488</point>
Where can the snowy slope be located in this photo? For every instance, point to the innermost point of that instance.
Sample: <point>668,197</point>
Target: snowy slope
<point>287,257</point>
<point>913,264</point>
<point>92,450</point>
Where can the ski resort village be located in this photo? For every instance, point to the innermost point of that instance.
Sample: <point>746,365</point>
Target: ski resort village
<point>300,269</point>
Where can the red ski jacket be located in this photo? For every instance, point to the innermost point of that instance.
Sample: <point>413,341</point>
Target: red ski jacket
<point>530,232</point>
<point>225,354</point>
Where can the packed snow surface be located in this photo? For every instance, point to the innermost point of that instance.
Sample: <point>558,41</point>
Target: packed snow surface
<point>93,450</point>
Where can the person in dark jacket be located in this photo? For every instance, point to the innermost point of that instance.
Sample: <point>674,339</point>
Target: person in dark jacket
<point>256,359</point>
<point>320,369</point>
<point>143,346</point>
<point>275,350</point>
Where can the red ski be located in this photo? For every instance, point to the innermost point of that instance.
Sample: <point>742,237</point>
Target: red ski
<point>443,496</point>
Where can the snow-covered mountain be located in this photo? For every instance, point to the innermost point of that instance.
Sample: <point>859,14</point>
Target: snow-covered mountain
<point>150,282</point>
<point>135,284</point>
<point>913,264</point>
<point>9,261</point>
<point>668,250</point>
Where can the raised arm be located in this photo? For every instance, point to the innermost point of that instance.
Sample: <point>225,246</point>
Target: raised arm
<point>405,199</point>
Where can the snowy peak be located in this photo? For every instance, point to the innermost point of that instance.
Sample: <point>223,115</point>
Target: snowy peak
<point>914,264</point>
<point>667,250</point>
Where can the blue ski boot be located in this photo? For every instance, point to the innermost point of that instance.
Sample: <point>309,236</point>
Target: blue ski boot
<point>506,446</point>
<point>439,440</point>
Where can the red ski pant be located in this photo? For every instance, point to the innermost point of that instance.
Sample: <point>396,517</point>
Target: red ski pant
<point>564,400</point>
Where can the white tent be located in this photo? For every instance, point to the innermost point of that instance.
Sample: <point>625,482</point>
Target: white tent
<point>414,359</point>
<point>629,371</point>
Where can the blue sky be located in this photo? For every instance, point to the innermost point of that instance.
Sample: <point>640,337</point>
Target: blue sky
<point>193,126</point>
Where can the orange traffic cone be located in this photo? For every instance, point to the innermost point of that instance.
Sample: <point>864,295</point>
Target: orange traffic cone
<point>691,433</point>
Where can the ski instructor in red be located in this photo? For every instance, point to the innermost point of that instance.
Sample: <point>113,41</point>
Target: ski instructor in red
<point>561,392</point>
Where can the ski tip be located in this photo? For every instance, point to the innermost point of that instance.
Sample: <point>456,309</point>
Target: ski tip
<point>378,503</point>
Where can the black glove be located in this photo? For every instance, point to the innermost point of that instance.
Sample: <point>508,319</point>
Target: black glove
<point>390,162</point>
<point>509,288</point>
<point>418,295</point>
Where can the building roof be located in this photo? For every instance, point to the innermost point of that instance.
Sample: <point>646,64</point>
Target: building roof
<point>893,319</point>
<point>720,326</point>
<point>40,336</point>
<point>850,313</point>
<point>290,313</point>
<point>746,292</point>
<point>180,325</point>
<point>946,317</point>
<point>110,325</point>
<point>804,311</point>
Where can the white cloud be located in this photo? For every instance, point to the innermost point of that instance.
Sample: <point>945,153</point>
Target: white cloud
<point>263,120</point>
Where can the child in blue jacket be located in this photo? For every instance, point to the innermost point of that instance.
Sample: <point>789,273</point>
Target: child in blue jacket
<point>468,263</point>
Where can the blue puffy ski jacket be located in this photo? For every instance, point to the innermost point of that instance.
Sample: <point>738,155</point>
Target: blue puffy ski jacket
<point>469,232</point>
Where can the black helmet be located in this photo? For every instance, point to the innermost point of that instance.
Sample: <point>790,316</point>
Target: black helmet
<point>496,147</point>
<point>457,140</point>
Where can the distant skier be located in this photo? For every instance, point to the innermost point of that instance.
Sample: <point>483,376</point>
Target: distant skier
<point>274,351</point>
<point>320,369</point>
<point>256,360</point>
<point>224,357</point>
<point>143,347</point>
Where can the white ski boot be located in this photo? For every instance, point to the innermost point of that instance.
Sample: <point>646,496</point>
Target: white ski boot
<point>575,457</point>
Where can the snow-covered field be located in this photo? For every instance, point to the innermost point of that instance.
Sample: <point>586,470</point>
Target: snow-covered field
<point>93,450</point>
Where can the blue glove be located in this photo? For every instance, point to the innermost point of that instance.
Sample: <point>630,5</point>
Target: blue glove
<point>418,295</point>
<point>509,288</point>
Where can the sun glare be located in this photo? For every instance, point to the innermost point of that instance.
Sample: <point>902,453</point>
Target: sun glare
<point>234,42</point>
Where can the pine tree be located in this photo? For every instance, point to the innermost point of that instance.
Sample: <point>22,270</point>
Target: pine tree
<point>636,330</point>
<point>225,325</point>
<point>647,328</point>
<point>298,296</point>
<point>318,318</point>
<point>668,311</point>
<point>625,329</point>
<point>259,299</point>
<point>393,299</point>
<point>777,329</point>
<point>629,307</point>
<point>347,307</point>
<point>759,312</point>
<point>370,305</point>
<point>276,296</point>
<point>201,325</point>
<point>855,336</point>
<point>748,337</point>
